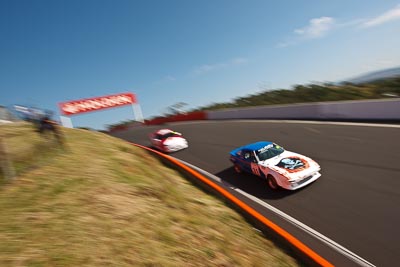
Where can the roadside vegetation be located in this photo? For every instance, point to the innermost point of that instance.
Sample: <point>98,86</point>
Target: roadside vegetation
<point>98,201</point>
<point>385,88</point>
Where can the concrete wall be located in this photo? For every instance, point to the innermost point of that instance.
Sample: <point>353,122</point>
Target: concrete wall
<point>343,110</point>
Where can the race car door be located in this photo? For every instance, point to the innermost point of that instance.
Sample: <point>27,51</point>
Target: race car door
<point>249,162</point>
<point>157,140</point>
<point>242,160</point>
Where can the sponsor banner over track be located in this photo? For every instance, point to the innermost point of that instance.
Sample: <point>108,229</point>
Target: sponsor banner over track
<point>96,103</point>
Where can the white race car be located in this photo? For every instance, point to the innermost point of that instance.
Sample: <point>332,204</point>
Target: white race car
<point>280,167</point>
<point>168,141</point>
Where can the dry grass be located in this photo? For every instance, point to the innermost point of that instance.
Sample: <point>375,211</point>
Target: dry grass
<point>101,202</point>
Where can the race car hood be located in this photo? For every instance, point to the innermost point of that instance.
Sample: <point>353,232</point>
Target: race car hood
<point>292,165</point>
<point>175,140</point>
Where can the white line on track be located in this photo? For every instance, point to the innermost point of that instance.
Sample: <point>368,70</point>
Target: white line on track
<point>337,123</point>
<point>335,246</point>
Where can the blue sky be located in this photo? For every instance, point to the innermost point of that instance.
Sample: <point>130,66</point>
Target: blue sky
<point>197,52</point>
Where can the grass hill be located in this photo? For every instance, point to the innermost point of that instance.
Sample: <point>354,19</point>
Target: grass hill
<point>98,201</point>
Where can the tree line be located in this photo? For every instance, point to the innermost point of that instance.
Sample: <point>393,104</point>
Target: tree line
<point>385,88</point>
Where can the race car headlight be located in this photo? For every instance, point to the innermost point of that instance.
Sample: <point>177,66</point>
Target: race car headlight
<point>293,181</point>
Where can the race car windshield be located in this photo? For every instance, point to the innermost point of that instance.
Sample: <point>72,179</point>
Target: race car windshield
<point>269,151</point>
<point>171,134</point>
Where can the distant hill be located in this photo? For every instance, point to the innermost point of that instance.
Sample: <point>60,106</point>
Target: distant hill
<point>383,84</point>
<point>6,115</point>
<point>376,75</point>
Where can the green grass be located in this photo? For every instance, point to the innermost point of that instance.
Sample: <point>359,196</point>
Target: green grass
<point>25,148</point>
<point>98,201</point>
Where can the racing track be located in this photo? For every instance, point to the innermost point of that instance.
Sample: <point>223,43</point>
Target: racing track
<point>356,200</point>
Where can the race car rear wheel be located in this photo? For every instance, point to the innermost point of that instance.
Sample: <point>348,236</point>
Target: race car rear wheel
<point>272,182</point>
<point>237,168</point>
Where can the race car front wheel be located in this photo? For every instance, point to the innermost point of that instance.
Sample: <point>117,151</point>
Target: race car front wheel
<point>272,182</point>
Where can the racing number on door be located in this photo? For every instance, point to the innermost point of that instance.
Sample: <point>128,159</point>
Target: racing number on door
<point>255,169</point>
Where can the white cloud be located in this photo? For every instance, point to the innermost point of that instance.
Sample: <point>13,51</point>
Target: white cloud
<point>209,67</point>
<point>317,27</point>
<point>165,79</point>
<point>285,44</point>
<point>239,61</point>
<point>170,78</point>
<point>389,15</point>
<point>217,66</point>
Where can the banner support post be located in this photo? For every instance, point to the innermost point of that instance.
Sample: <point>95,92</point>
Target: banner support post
<point>66,122</point>
<point>137,111</point>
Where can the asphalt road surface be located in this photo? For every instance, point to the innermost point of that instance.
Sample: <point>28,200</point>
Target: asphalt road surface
<point>356,202</point>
